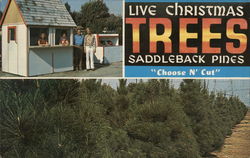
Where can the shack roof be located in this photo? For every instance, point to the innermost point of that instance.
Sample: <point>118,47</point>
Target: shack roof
<point>44,13</point>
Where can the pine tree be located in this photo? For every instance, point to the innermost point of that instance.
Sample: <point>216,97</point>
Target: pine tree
<point>73,119</point>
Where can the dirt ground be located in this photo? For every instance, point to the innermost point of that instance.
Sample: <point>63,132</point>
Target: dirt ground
<point>113,70</point>
<point>237,145</point>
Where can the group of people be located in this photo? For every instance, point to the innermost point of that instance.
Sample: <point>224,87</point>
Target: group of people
<point>43,40</point>
<point>83,44</point>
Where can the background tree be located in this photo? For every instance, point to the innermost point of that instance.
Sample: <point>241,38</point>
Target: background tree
<point>207,121</point>
<point>114,23</point>
<point>68,7</point>
<point>94,15</point>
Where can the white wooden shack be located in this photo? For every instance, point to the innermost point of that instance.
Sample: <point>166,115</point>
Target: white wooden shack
<point>22,24</point>
<point>108,49</point>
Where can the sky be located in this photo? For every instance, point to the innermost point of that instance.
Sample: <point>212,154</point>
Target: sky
<point>115,6</point>
<point>240,88</point>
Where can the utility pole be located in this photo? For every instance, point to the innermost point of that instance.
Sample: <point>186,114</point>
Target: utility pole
<point>232,88</point>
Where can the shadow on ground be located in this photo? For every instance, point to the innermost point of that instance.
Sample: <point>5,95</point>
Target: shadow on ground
<point>113,70</point>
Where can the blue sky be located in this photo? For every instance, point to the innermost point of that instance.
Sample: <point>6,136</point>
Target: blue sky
<point>115,6</point>
<point>239,88</point>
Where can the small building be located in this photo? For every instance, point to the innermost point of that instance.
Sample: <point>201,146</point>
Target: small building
<point>22,24</point>
<point>108,49</point>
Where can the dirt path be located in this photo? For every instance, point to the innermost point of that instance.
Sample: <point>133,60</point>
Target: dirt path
<point>237,145</point>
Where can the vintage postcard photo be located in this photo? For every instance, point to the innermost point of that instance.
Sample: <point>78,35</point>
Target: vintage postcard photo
<point>55,38</point>
<point>124,118</point>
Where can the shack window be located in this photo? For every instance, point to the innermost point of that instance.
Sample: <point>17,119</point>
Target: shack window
<point>62,37</point>
<point>108,41</point>
<point>39,34</point>
<point>11,34</point>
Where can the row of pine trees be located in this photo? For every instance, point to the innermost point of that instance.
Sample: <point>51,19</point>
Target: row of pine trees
<point>88,119</point>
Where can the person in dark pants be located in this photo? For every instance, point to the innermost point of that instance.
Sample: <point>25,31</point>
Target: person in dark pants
<point>78,50</point>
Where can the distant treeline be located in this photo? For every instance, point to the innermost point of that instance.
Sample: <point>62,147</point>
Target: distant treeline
<point>96,15</point>
<point>88,119</point>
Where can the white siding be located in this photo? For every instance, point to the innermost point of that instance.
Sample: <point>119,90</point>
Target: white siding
<point>52,36</point>
<point>5,62</point>
<point>22,42</point>
<point>71,37</point>
<point>13,57</point>
<point>63,59</point>
<point>40,61</point>
<point>22,56</point>
<point>99,55</point>
<point>49,60</point>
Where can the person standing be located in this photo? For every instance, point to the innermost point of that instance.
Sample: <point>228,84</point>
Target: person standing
<point>78,50</point>
<point>90,49</point>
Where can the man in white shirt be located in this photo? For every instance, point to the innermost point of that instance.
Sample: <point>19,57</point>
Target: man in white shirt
<point>90,49</point>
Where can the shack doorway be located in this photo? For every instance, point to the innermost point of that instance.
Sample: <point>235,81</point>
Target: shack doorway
<point>12,47</point>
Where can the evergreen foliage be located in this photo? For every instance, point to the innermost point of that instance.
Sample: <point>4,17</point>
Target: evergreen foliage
<point>95,14</point>
<point>72,119</point>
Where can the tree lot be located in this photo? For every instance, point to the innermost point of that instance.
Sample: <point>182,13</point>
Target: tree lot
<point>72,119</point>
